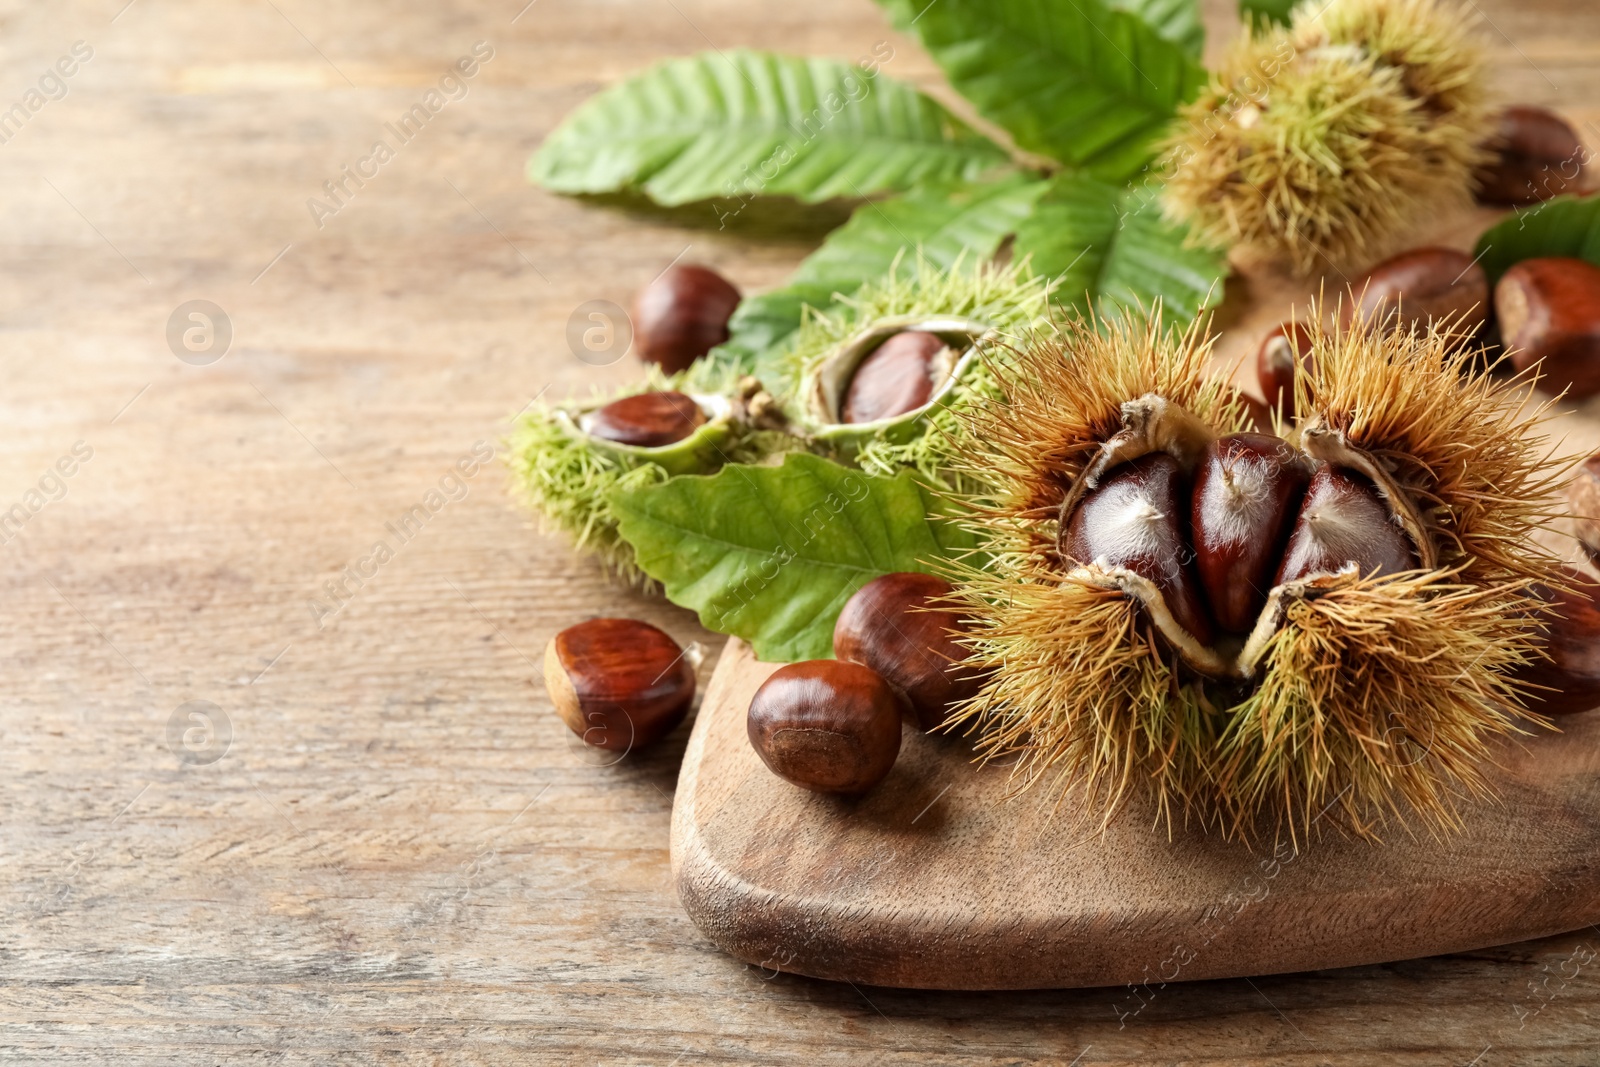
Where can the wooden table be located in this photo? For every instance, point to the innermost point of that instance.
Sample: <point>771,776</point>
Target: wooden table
<point>373,842</point>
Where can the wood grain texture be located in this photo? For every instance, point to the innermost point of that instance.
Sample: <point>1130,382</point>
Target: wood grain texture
<point>402,857</point>
<point>940,879</point>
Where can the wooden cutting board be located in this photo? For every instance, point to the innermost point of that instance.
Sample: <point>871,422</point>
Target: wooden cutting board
<point>937,880</point>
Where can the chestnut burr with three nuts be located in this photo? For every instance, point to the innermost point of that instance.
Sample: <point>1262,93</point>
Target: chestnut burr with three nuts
<point>682,315</point>
<point>1204,544</point>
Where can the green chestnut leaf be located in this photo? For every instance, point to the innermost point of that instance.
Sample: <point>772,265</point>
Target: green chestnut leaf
<point>771,553</point>
<point>1083,82</point>
<point>1176,20</point>
<point>1111,249</point>
<point>739,123</point>
<point>1565,226</point>
<point>946,220</point>
<point>1267,12</point>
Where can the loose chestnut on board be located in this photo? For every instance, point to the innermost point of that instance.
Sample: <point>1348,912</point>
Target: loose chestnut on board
<point>896,377</point>
<point>1282,354</point>
<point>826,725</point>
<point>894,625</point>
<point>619,684</point>
<point>1549,310</point>
<point>1571,676</point>
<point>1536,156</point>
<point>1247,491</point>
<point>1344,520</point>
<point>1424,284</point>
<point>648,420</point>
<point>1138,519</point>
<point>1583,493</point>
<point>682,315</point>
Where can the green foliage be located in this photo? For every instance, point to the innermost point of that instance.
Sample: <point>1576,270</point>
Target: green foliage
<point>946,221</point>
<point>1110,248</point>
<point>742,123</point>
<point>1565,226</point>
<point>1266,12</point>
<point>771,554</point>
<point>1176,20</point>
<point>1080,81</point>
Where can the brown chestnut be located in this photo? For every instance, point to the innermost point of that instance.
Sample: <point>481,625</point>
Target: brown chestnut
<point>1424,284</point>
<point>1247,491</point>
<point>1282,354</point>
<point>648,420</point>
<point>1584,495</point>
<point>1537,155</point>
<point>1344,520</point>
<point>1549,311</point>
<point>826,725</point>
<point>1138,519</point>
<point>895,625</point>
<point>619,684</point>
<point>682,315</point>
<point>898,376</point>
<point>1571,676</point>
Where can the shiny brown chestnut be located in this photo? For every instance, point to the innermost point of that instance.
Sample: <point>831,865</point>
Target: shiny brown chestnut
<point>1424,284</point>
<point>619,684</point>
<point>895,625</point>
<point>648,420</point>
<point>1537,155</point>
<point>1282,355</point>
<point>1549,311</point>
<point>826,725</point>
<point>1344,520</point>
<point>898,376</point>
<point>1138,519</point>
<point>1570,678</point>
<point>682,315</point>
<point>1247,491</point>
<point>1583,493</point>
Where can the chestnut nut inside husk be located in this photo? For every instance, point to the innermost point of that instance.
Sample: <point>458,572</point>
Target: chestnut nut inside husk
<point>898,376</point>
<point>647,420</point>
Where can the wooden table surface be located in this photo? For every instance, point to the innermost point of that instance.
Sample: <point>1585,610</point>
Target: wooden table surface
<point>386,849</point>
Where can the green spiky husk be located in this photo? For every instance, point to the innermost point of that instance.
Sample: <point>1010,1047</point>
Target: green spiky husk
<point>1377,701</point>
<point>1009,298</point>
<point>1326,141</point>
<point>566,477</point>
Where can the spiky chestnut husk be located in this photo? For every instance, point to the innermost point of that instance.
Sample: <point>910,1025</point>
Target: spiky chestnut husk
<point>1369,699</point>
<point>982,304</point>
<point>1327,141</point>
<point>565,474</point>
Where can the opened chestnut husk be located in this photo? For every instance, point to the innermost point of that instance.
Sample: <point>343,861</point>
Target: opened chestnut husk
<point>1258,632</point>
